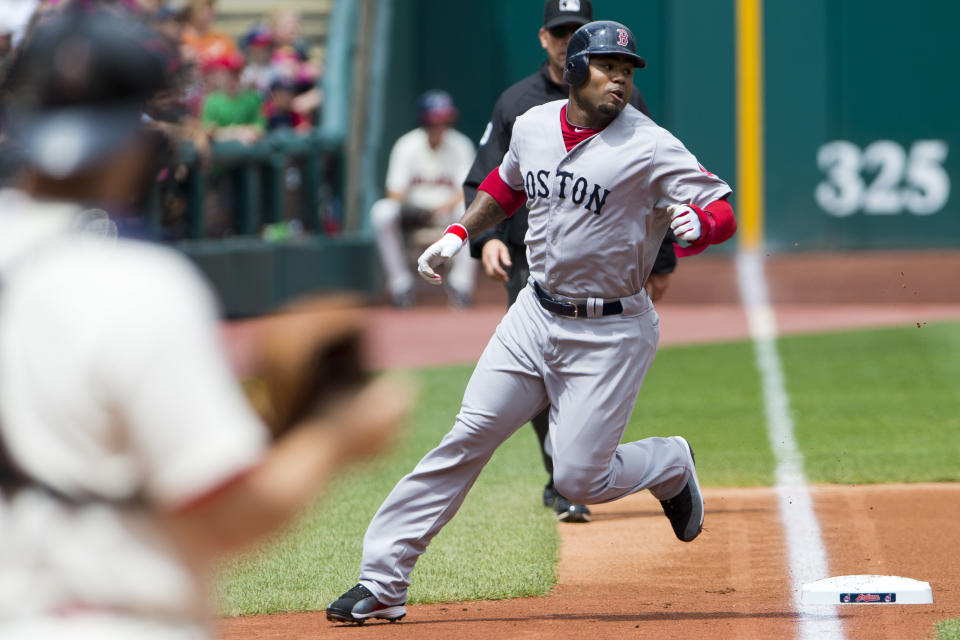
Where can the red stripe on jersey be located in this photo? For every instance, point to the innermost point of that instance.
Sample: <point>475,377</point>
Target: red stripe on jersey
<point>508,198</point>
<point>572,136</point>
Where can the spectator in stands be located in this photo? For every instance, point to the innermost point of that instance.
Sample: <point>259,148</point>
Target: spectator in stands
<point>258,74</point>
<point>426,167</point>
<point>169,20</point>
<point>169,112</point>
<point>278,108</point>
<point>201,42</point>
<point>231,112</point>
<point>285,61</point>
<point>291,58</point>
<point>285,27</point>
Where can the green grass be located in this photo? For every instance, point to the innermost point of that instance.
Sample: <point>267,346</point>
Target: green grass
<point>948,629</point>
<point>710,395</point>
<point>876,406</point>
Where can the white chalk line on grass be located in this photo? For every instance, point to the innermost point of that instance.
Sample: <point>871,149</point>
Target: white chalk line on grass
<point>807,556</point>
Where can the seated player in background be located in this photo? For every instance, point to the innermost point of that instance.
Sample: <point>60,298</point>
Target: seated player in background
<point>424,173</point>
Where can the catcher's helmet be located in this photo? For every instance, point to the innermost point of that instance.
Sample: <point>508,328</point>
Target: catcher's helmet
<point>603,37</point>
<point>78,87</point>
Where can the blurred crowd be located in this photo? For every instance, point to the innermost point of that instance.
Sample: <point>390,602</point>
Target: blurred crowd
<point>233,102</point>
<point>231,88</point>
<point>226,88</point>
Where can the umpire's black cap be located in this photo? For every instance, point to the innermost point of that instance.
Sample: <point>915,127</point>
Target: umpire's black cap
<point>77,88</point>
<point>558,12</point>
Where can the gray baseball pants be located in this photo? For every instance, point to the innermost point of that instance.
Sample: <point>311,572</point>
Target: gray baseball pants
<point>589,372</point>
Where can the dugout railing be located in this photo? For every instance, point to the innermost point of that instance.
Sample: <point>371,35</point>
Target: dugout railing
<point>256,264</point>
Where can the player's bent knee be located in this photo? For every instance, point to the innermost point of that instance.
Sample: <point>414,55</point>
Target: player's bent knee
<point>383,213</point>
<point>578,485</point>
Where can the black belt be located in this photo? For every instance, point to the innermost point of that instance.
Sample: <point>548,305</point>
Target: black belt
<point>571,309</point>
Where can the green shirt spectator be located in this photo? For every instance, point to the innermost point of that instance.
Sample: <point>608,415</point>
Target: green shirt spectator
<point>230,111</point>
<point>220,109</point>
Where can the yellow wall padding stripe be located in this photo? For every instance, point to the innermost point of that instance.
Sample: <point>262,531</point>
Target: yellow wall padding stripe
<point>750,123</point>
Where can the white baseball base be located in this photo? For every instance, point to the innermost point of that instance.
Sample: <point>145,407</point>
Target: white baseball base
<point>866,589</point>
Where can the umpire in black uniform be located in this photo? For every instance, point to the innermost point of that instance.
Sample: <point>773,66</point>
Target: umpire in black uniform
<point>501,249</point>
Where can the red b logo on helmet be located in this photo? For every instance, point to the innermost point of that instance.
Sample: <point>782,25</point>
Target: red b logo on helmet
<point>622,40</point>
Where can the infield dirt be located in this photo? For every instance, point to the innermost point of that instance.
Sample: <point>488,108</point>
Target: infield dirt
<point>625,576</point>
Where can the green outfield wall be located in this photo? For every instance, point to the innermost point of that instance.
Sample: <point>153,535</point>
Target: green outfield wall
<point>858,100</point>
<point>861,124</point>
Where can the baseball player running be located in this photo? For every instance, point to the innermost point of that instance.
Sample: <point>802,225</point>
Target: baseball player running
<point>501,249</point>
<point>603,184</point>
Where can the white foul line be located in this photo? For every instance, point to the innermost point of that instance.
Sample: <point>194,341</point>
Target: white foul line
<point>807,556</point>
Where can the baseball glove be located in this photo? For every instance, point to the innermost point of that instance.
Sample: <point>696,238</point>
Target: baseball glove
<point>307,357</point>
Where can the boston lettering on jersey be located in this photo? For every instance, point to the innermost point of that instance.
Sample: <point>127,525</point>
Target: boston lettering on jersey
<point>577,188</point>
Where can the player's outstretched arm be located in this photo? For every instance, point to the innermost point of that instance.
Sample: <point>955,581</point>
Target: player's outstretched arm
<point>484,212</point>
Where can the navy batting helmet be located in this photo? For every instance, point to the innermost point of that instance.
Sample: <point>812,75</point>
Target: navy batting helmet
<point>436,106</point>
<point>603,37</point>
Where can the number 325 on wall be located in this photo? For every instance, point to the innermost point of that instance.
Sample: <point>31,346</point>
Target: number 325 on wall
<point>914,181</point>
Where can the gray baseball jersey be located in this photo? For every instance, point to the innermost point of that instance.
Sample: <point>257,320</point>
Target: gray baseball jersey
<point>596,222</point>
<point>597,213</point>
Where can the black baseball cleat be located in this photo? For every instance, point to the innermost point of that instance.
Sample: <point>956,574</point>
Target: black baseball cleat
<point>566,511</point>
<point>563,509</point>
<point>685,510</point>
<point>358,605</point>
<point>549,494</point>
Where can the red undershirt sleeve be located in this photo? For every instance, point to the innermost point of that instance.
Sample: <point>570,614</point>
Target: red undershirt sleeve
<point>508,198</point>
<point>724,223</point>
<point>718,224</point>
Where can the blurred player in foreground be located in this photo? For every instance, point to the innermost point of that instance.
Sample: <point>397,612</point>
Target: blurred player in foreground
<point>129,458</point>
